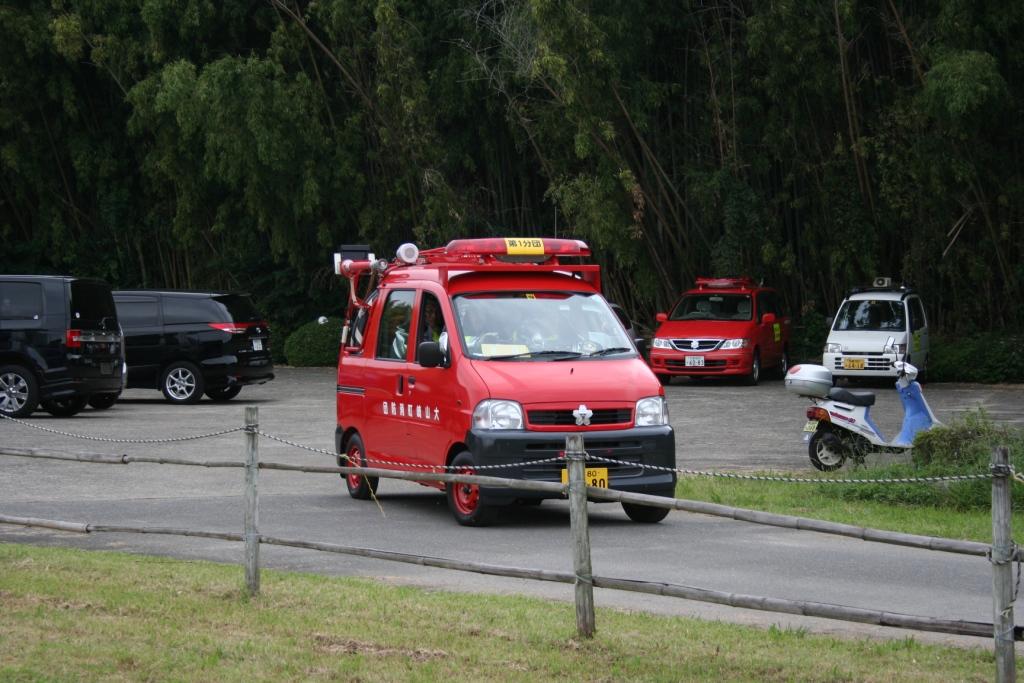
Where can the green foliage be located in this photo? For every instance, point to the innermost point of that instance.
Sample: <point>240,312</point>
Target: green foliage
<point>231,145</point>
<point>978,358</point>
<point>314,344</point>
<point>808,338</point>
<point>962,447</point>
<point>965,89</point>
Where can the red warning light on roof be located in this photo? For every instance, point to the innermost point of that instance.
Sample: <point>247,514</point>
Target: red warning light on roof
<point>724,282</point>
<point>517,246</point>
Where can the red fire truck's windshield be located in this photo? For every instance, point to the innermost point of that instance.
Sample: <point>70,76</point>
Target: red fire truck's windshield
<point>539,326</point>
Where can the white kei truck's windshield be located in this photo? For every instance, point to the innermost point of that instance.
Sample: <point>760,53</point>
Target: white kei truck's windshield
<point>544,326</point>
<point>871,316</point>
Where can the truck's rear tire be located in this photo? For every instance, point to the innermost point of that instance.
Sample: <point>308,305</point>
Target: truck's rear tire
<point>360,486</point>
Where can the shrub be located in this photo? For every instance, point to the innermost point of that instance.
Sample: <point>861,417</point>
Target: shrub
<point>981,358</point>
<point>279,337</point>
<point>314,344</point>
<point>808,338</point>
<point>962,447</point>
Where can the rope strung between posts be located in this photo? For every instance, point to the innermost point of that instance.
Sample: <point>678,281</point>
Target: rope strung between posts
<point>796,480</point>
<point>108,440</point>
<point>1018,477</point>
<point>594,458</point>
<point>431,468</point>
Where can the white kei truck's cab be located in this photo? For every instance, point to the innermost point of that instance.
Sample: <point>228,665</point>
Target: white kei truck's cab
<point>856,345</point>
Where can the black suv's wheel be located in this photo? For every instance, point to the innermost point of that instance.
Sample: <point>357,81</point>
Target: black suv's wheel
<point>464,499</point>
<point>19,391</point>
<point>65,407</point>
<point>359,486</point>
<point>103,401</point>
<point>182,383</point>
<point>223,393</point>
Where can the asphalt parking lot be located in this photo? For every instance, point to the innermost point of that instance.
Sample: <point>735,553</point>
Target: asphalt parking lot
<point>720,426</point>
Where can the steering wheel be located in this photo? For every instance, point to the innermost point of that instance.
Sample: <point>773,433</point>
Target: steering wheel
<point>532,335</point>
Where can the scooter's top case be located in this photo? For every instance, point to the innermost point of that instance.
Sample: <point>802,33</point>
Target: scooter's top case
<point>809,380</point>
<point>916,416</point>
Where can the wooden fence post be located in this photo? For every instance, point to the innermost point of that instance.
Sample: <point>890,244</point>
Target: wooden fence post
<point>1003,551</point>
<point>576,457</point>
<point>252,511</point>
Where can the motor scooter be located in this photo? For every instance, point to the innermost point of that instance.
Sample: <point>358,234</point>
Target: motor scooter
<point>839,425</point>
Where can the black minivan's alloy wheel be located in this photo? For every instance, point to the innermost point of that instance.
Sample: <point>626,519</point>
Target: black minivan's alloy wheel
<point>19,391</point>
<point>182,383</point>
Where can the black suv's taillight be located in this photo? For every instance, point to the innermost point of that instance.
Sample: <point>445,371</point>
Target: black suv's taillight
<point>231,328</point>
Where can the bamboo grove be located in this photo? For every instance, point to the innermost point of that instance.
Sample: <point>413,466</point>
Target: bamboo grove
<point>235,144</point>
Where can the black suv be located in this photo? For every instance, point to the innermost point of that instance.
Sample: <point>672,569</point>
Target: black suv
<point>189,343</point>
<point>60,345</point>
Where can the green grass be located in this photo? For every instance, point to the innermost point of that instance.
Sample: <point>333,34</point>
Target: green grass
<point>825,501</point>
<point>99,616</point>
<point>959,509</point>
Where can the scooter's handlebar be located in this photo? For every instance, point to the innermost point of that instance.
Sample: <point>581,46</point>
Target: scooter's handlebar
<point>904,369</point>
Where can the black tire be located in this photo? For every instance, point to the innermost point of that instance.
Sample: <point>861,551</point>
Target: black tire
<point>182,382</point>
<point>464,499</point>
<point>103,401</point>
<point>665,379</point>
<point>826,451</point>
<point>65,407</point>
<point>222,394</point>
<point>784,363</point>
<point>359,486</point>
<point>648,515</point>
<point>755,370</point>
<point>19,391</point>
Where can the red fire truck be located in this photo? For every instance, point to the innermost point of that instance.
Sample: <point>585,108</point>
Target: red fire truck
<point>489,352</point>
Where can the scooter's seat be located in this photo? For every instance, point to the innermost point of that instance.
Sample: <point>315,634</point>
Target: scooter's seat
<point>854,398</point>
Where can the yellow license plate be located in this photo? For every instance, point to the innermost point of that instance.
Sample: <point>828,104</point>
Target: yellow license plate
<point>594,476</point>
<point>524,246</point>
<point>853,364</point>
<point>811,426</point>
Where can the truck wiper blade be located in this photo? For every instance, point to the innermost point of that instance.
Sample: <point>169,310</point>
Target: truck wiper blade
<point>548,355</point>
<point>611,350</point>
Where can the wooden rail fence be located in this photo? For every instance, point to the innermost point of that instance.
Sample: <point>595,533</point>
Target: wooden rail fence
<point>1001,553</point>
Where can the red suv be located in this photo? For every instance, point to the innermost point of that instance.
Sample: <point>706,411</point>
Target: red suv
<point>723,326</point>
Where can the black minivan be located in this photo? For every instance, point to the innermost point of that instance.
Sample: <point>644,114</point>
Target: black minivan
<point>188,343</point>
<point>60,345</point>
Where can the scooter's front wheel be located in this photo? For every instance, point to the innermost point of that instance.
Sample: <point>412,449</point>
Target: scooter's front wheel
<point>826,450</point>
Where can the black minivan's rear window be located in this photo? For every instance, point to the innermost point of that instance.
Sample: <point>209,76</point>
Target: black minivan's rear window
<point>224,308</point>
<point>92,305</point>
<point>239,307</point>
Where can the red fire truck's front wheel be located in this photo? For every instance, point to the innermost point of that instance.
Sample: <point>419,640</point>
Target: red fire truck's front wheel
<point>464,499</point>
